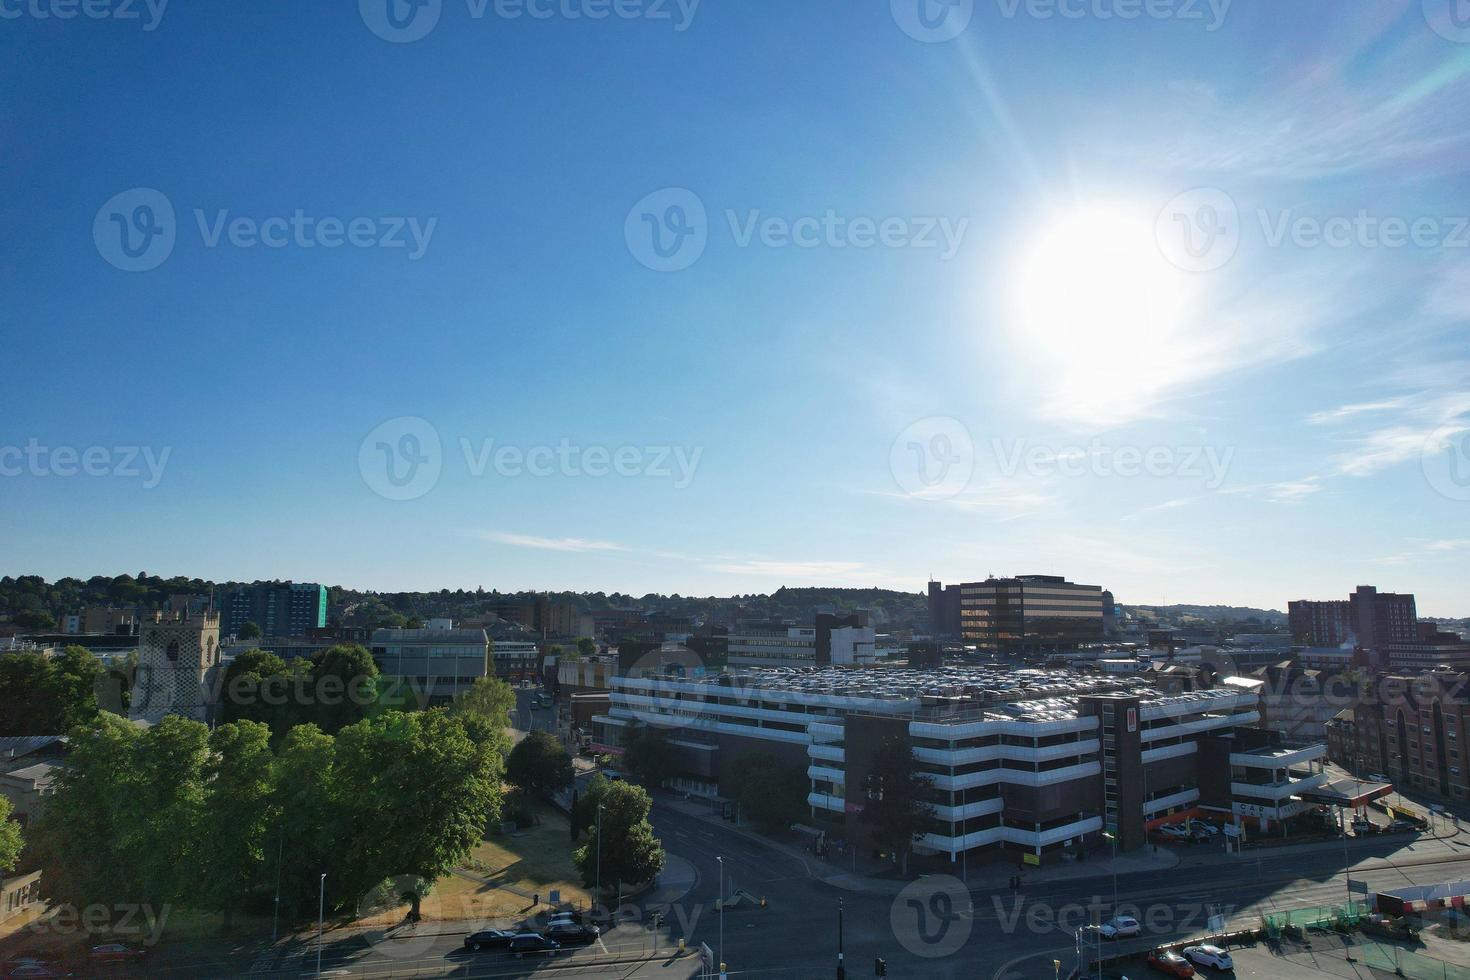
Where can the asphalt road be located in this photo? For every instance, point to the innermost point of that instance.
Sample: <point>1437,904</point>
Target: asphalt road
<point>985,934</point>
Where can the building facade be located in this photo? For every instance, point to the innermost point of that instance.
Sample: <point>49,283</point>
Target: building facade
<point>833,640</point>
<point>1030,614</point>
<point>432,665</point>
<point>1033,761</point>
<point>1367,618</point>
<point>278,608</point>
<point>1409,727</point>
<point>178,668</point>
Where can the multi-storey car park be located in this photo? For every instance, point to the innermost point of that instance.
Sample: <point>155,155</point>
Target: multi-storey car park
<point>1029,760</point>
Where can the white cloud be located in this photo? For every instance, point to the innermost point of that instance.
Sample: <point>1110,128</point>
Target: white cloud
<point>1417,417</point>
<point>1343,412</point>
<point>548,544</point>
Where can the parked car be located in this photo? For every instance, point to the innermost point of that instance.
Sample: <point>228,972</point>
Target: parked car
<point>33,969</point>
<point>1209,955</point>
<point>1120,927</point>
<point>488,939</point>
<point>1401,825</point>
<point>1170,962</point>
<point>572,933</point>
<point>1175,831</point>
<point>117,952</point>
<point>533,944</point>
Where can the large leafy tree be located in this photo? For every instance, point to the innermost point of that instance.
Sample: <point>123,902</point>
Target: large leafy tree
<point>79,837</point>
<point>647,753</point>
<point>250,631</point>
<point>161,832</point>
<point>344,684</point>
<point>770,793</point>
<point>415,793</point>
<point>896,793</point>
<point>48,695</point>
<point>238,796</point>
<point>484,708</point>
<point>302,843</point>
<point>625,849</point>
<point>256,688</point>
<point>584,806</point>
<point>539,766</point>
<point>10,839</point>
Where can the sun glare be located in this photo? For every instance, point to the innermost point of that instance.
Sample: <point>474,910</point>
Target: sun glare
<point>1100,306</point>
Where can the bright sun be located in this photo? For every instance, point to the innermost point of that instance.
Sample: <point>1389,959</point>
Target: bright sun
<point>1099,304</point>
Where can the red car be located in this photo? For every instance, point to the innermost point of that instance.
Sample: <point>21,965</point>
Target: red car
<point>1170,962</point>
<point>117,953</point>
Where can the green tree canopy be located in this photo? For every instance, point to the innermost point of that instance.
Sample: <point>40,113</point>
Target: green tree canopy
<point>539,766</point>
<point>586,646</point>
<point>344,685</point>
<point>10,839</point>
<point>42,695</point>
<point>896,793</point>
<point>625,850</point>
<point>238,796</point>
<point>415,793</point>
<point>647,753</point>
<point>250,631</point>
<point>35,620</point>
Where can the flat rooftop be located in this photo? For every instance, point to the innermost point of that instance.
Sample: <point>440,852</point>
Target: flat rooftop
<point>971,690</point>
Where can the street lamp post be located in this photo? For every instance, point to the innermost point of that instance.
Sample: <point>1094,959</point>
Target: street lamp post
<point>598,896</point>
<point>321,907</point>
<point>721,862</point>
<point>276,916</point>
<point>841,970</point>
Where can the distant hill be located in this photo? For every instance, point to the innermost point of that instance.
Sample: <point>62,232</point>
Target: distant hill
<point>1184,613</point>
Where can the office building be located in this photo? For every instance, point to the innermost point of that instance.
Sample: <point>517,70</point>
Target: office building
<point>432,665</point>
<point>1368,618</point>
<point>833,640</point>
<point>515,660</point>
<point>944,611</point>
<point>278,608</point>
<point>1030,614</point>
<point>1432,648</point>
<point>1032,761</point>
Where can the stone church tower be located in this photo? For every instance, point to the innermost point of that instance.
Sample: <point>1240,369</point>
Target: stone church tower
<point>178,667</point>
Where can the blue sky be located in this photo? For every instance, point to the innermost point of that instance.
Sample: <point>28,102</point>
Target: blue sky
<point>943,297</point>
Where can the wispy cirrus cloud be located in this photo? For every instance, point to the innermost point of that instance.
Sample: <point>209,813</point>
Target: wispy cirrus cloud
<point>1343,412</point>
<point>1280,492</point>
<point>548,544</point>
<point>785,570</point>
<point>1441,405</point>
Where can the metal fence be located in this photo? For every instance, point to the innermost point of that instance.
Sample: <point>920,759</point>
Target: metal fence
<point>1416,966</point>
<point>1320,917</point>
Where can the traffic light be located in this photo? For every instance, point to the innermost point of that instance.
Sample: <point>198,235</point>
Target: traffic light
<point>880,967</point>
